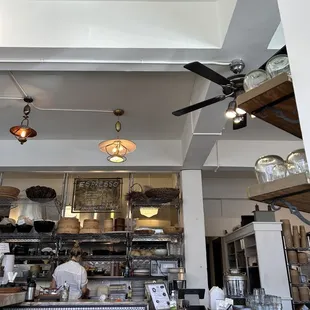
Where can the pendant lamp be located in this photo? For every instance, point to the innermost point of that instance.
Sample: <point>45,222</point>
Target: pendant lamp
<point>23,131</point>
<point>117,149</point>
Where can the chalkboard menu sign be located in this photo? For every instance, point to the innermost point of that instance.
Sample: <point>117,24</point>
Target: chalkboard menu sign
<point>97,195</point>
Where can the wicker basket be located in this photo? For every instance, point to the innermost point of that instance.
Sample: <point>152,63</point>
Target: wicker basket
<point>163,194</point>
<point>41,194</point>
<point>173,230</point>
<point>136,195</point>
<point>9,191</point>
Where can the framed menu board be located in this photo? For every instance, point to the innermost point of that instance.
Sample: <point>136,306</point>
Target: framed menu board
<point>97,195</point>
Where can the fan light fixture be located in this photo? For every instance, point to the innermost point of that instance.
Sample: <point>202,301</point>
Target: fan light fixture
<point>148,211</point>
<point>23,131</point>
<point>240,111</point>
<point>117,149</point>
<point>231,110</point>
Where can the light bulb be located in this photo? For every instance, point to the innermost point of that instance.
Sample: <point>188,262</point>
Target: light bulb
<point>23,133</point>
<point>121,148</point>
<point>237,119</point>
<point>114,150</point>
<point>240,111</point>
<point>231,113</point>
<point>253,116</point>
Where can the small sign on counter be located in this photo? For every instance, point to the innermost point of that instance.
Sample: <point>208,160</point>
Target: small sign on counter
<point>4,248</point>
<point>159,296</point>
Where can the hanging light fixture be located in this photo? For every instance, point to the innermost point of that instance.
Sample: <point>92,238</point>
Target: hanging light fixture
<point>231,110</point>
<point>23,131</point>
<point>117,149</point>
<point>149,211</point>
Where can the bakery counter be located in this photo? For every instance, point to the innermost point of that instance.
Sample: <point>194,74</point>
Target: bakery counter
<point>79,305</point>
<point>11,299</point>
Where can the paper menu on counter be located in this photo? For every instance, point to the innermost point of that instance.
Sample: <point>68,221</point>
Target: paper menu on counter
<point>159,296</point>
<point>4,248</point>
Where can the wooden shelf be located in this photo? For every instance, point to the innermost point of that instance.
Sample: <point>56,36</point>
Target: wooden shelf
<point>273,102</point>
<point>295,189</point>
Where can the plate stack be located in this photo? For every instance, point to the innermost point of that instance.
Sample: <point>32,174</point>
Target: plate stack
<point>7,195</point>
<point>90,227</point>
<point>138,290</point>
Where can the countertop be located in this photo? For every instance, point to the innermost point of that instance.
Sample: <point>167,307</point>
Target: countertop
<point>11,299</point>
<point>86,302</point>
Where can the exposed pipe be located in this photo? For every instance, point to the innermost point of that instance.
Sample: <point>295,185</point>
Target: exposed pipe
<point>23,92</point>
<point>20,88</point>
<point>217,157</point>
<point>11,98</point>
<point>113,62</point>
<point>207,133</point>
<point>64,193</point>
<point>69,110</point>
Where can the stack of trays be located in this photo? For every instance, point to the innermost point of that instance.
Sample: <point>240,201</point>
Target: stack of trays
<point>138,290</point>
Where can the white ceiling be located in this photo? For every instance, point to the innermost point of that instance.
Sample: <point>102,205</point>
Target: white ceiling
<point>148,99</point>
<point>95,62</point>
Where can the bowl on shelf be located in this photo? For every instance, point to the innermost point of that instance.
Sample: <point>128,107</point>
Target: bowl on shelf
<point>8,228</point>
<point>173,230</point>
<point>24,228</point>
<point>44,226</point>
<point>41,194</point>
<point>161,252</point>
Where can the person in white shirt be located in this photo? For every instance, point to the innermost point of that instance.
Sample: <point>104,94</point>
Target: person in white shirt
<point>73,274</point>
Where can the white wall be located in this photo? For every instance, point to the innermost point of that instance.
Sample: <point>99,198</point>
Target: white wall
<point>225,201</point>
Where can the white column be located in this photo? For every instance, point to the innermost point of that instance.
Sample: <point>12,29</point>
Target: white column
<point>194,231</point>
<point>296,25</point>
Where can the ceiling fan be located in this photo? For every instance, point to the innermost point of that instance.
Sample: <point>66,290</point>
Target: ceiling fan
<point>232,87</point>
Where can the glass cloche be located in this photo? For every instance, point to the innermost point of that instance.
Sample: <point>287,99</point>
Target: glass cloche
<point>254,79</point>
<point>297,162</point>
<point>278,64</point>
<point>269,168</point>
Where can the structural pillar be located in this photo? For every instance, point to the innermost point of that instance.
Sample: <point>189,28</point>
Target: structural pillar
<point>296,25</point>
<point>194,231</point>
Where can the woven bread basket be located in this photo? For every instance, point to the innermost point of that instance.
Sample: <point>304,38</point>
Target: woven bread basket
<point>162,194</point>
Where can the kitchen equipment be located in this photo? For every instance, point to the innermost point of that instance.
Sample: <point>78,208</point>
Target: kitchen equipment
<point>35,270</point>
<point>24,228</point>
<point>141,272</point>
<point>119,224</point>
<point>108,225</point>
<point>8,228</point>
<point>8,264</point>
<point>161,252</point>
<point>303,236</point>
<point>31,289</point>
<point>277,65</point>
<point>287,233</point>
<point>173,230</point>
<point>255,78</point>
<point>216,293</point>
<point>235,283</point>
<point>297,162</point>
<point>264,216</point>
<point>44,226</point>
<point>269,168</point>
<point>161,267</point>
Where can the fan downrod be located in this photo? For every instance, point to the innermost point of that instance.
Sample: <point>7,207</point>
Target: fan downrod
<point>236,66</point>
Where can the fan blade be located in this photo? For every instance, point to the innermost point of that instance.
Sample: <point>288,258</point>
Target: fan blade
<point>199,105</point>
<point>207,73</point>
